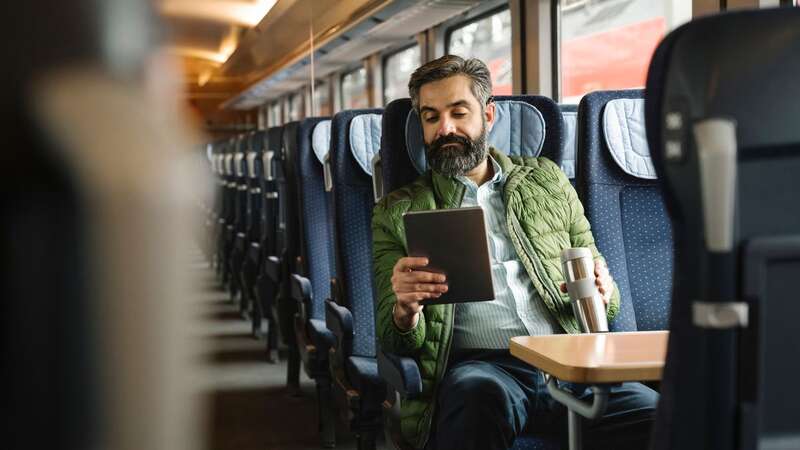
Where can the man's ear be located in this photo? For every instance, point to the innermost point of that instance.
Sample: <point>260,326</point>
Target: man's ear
<point>489,114</point>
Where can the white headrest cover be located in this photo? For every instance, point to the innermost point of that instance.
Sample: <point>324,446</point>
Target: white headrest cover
<point>365,139</point>
<point>570,131</point>
<point>623,126</point>
<point>321,140</point>
<point>519,129</point>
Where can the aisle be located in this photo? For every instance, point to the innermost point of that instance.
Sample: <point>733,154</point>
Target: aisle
<point>249,407</point>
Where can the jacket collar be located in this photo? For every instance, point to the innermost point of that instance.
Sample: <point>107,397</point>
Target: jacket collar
<point>449,191</point>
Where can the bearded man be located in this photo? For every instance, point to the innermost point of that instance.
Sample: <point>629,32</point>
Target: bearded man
<point>475,394</point>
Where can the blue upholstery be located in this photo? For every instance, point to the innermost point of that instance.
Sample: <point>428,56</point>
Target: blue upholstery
<point>629,221</point>
<point>727,388</point>
<point>352,208</point>
<point>529,442</point>
<point>569,112</point>
<point>363,372</point>
<point>398,169</point>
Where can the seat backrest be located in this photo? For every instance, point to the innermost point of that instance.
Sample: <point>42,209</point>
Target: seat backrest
<point>269,209</point>
<point>725,381</point>
<point>315,227</point>
<point>622,199</point>
<point>529,125</point>
<point>355,138</point>
<point>240,178</point>
<point>569,112</point>
<point>254,174</point>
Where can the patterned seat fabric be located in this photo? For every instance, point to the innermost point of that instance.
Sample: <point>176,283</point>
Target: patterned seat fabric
<point>623,202</point>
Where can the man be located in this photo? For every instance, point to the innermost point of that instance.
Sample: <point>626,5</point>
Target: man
<point>475,394</point>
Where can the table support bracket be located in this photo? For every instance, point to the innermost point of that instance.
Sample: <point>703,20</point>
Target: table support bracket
<point>578,408</point>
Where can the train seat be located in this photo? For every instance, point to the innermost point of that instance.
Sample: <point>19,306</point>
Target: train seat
<point>720,116</point>
<point>266,288</point>
<point>622,200</point>
<point>251,249</point>
<point>355,138</point>
<point>403,159</point>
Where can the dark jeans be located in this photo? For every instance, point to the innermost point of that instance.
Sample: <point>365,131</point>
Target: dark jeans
<point>487,398</point>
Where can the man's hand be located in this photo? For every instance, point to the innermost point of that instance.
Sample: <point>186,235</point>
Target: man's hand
<point>603,279</point>
<point>410,286</point>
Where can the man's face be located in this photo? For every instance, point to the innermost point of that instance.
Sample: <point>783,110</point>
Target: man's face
<point>454,125</point>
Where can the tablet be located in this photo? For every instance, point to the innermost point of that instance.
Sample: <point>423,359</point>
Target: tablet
<point>455,243</point>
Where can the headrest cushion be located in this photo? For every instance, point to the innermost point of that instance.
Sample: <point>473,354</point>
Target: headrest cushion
<point>321,140</point>
<point>626,138</point>
<point>365,139</point>
<point>570,131</point>
<point>519,129</point>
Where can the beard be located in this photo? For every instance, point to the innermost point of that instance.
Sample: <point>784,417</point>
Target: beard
<point>459,158</point>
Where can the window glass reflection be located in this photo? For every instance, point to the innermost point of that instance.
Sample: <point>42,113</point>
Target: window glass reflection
<point>354,89</point>
<point>488,39</point>
<point>397,69</point>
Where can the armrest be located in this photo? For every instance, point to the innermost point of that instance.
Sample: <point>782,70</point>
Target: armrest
<point>300,291</point>
<point>272,267</point>
<point>400,373</point>
<point>339,320</point>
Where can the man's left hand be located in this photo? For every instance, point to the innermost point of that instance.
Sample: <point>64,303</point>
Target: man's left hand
<point>603,279</point>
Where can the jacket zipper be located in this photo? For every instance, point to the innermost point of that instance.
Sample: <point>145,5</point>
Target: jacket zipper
<point>429,414</point>
<point>523,240</point>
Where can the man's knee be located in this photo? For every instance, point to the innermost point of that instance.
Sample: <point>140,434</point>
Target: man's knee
<point>470,385</point>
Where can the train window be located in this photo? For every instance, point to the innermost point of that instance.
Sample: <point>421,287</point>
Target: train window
<point>322,99</point>
<point>354,89</point>
<point>275,114</point>
<point>489,39</point>
<point>296,106</point>
<point>607,44</point>
<point>397,69</point>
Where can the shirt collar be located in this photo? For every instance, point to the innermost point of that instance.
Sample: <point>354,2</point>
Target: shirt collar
<point>495,182</point>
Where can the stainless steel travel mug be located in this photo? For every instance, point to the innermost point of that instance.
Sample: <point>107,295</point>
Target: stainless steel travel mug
<point>587,303</point>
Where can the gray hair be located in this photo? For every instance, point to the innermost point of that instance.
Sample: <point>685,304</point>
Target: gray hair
<point>448,66</point>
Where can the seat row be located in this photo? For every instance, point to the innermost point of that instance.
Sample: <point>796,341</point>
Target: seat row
<point>293,239</point>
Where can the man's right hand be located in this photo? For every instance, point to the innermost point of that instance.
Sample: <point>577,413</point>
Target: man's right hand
<point>412,285</point>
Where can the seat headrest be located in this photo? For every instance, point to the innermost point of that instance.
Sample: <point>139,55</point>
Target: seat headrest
<point>321,139</point>
<point>626,137</point>
<point>519,129</point>
<point>365,139</point>
<point>570,138</point>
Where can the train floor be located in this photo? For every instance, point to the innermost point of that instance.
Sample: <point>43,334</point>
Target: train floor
<point>248,405</point>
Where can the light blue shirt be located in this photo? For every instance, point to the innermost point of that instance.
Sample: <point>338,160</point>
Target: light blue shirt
<point>517,309</point>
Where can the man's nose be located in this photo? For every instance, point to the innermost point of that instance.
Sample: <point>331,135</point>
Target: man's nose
<point>446,127</point>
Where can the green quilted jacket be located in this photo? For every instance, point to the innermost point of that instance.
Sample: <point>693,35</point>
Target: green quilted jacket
<point>544,216</point>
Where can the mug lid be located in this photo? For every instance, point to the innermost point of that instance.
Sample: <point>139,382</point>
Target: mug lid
<point>568,254</point>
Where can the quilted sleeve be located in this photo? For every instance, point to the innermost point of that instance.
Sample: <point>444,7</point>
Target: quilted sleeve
<point>387,248</point>
<point>580,232</point>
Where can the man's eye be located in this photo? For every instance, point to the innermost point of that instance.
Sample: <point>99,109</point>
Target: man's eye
<point>431,119</point>
<point>459,114</point>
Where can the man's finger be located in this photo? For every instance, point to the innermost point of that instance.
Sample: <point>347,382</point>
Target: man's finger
<point>563,287</point>
<point>421,276</point>
<point>421,287</point>
<point>410,262</point>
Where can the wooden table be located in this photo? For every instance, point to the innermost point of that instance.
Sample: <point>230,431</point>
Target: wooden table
<point>598,359</point>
